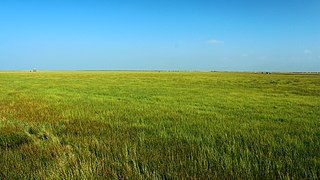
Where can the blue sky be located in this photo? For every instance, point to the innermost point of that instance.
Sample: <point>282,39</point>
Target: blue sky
<point>233,35</point>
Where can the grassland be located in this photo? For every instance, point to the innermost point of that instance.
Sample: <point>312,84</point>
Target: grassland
<point>159,125</point>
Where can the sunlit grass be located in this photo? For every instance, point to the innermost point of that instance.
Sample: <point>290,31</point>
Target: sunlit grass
<point>98,124</point>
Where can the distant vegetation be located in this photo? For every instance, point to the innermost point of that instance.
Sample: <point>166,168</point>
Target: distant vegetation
<point>164,125</point>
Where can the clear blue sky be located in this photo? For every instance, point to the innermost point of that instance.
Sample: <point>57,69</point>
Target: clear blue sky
<point>246,35</point>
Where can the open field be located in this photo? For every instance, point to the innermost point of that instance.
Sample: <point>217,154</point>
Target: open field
<point>165,125</point>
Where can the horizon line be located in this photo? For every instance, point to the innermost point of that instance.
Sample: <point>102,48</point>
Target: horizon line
<point>159,70</point>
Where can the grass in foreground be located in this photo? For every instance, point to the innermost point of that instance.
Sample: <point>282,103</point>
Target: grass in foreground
<point>164,125</point>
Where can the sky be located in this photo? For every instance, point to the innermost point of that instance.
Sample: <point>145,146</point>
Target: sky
<point>192,35</point>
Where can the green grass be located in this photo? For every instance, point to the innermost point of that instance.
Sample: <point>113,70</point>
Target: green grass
<point>159,125</point>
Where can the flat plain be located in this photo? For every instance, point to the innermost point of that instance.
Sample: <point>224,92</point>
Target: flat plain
<point>159,125</point>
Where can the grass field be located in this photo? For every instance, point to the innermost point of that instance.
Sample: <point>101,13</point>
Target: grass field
<point>159,125</point>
